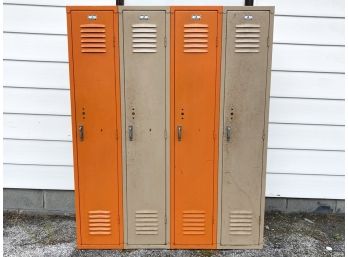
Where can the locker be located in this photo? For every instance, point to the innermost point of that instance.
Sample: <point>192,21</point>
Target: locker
<point>95,103</point>
<point>145,85</point>
<point>244,121</point>
<point>195,80</point>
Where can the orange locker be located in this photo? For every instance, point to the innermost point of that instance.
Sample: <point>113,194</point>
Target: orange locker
<point>195,79</point>
<point>95,102</point>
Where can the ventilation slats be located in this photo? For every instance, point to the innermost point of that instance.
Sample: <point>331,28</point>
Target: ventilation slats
<point>196,25</point>
<point>144,45</point>
<point>92,35</point>
<point>146,222</point>
<point>196,38</point>
<point>196,30</point>
<point>247,38</point>
<point>144,25</point>
<point>240,222</point>
<point>99,222</point>
<point>193,222</point>
<point>93,38</point>
<point>144,38</point>
<point>91,30</point>
<point>92,26</point>
<point>144,30</point>
<point>248,26</point>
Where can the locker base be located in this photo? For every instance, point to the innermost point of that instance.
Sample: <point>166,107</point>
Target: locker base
<point>239,247</point>
<point>146,247</point>
<point>99,247</point>
<point>196,247</point>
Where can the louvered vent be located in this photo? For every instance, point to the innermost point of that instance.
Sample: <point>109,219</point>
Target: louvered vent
<point>146,222</point>
<point>144,38</point>
<point>99,222</point>
<point>240,223</point>
<point>196,38</point>
<point>193,222</point>
<point>247,38</point>
<point>93,38</point>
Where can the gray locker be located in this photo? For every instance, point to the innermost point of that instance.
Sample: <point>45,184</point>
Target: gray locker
<point>144,34</point>
<point>247,34</point>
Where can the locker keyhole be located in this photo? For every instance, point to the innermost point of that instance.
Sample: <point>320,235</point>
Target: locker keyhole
<point>133,113</point>
<point>83,113</point>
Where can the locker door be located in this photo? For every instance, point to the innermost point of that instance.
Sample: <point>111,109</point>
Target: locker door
<point>145,112</point>
<point>96,99</point>
<point>195,100</point>
<point>244,122</point>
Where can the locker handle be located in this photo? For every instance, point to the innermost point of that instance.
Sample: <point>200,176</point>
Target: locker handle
<point>228,133</point>
<point>81,132</point>
<point>130,132</point>
<point>179,133</point>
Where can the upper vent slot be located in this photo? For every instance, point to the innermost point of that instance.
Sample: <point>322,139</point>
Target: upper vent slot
<point>144,38</point>
<point>247,38</point>
<point>196,38</point>
<point>93,38</point>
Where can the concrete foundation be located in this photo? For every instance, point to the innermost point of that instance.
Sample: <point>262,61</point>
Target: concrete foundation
<point>62,202</point>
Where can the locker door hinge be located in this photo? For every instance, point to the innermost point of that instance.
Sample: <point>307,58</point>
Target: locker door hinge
<point>165,134</point>
<point>116,134</point>
<point>268,43</point>
<point>165,41</point>
<point>217,42</point>
<point>165,219</point>
<point>263,136</point>
<point>118,219</point>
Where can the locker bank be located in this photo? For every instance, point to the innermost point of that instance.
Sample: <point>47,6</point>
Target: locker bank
<point>170,117</point>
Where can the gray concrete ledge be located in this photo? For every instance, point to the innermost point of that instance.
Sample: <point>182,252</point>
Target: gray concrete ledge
<point>62,203</point>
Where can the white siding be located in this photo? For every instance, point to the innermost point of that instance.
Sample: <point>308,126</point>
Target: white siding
<point>306,133</point>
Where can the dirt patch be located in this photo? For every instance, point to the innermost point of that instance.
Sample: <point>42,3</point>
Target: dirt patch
<point>285,235</point>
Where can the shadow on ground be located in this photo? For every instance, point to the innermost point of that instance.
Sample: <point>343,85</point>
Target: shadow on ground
<point>285,235</point>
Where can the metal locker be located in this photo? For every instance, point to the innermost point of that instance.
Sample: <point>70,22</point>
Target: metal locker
<point>145,85</point>
<point>195,80</point>
<point>94,79</point>
<point>244,121</point>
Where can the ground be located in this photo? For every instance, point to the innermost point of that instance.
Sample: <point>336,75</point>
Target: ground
<point>285,235</point>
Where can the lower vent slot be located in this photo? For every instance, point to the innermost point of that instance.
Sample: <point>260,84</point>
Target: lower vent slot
<point>146,222</point>
<point>99,222</point>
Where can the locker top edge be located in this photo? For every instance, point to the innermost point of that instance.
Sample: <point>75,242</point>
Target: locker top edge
<point>91,8</point>
<point>143,8</point>
<point>249,8</point>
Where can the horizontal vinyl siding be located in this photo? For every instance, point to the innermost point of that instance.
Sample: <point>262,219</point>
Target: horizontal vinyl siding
<point>306,131</point>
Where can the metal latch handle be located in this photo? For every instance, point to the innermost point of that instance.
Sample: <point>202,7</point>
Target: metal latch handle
<point>81,132</point>
<point>130,132</point>
<point>179,133</point>
<point>228,133</point>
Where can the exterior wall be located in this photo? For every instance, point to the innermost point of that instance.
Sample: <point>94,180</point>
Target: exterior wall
<point>306,132</point>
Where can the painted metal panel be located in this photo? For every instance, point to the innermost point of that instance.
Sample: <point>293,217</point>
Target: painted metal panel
<point>195,74</point>
<point>97,148</point>
<point>144,60</point>
<point>244,108</point>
